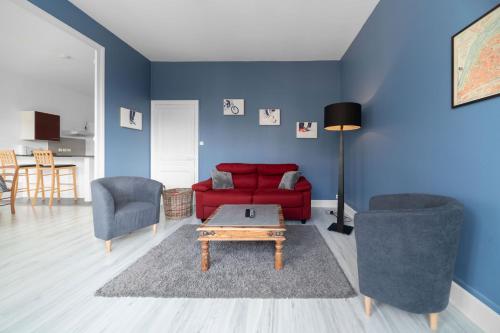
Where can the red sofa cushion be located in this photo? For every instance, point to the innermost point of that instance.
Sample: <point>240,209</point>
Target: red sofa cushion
<point>216,198</point>
<point>237,168</point>
<point>245,182</point>
<point>270,174</point>
<point>276,169</point>
<point>269,182</point>
<point>285,198</point>
<point>244,175</point>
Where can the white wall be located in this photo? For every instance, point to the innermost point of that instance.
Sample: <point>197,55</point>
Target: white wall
<point>18,93</point>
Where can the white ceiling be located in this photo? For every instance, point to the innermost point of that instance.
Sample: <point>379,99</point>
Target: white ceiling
<point>233,30</point>
<point>33,47</point>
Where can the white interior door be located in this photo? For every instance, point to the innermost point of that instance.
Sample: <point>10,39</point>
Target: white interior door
<point>174,142</point>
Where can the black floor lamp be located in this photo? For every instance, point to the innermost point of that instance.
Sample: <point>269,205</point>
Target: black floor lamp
<point>342,117</point>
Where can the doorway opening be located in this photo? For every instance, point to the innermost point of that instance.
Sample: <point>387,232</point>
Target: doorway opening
<point>64,47</point>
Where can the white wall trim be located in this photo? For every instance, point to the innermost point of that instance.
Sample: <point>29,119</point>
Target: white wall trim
<point>324,203</point>
<point>99,114</point>
<point>349,211</point>
<point>478,312</point>
<point>99,86</point>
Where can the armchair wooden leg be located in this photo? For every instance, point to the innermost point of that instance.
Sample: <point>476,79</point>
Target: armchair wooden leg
<point>433,321</point>
<point>108,246</point>
<point>155,228</point>
<point>368,306</point>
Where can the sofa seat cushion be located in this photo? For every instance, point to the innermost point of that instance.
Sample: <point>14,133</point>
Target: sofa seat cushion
<point>131,216</point>
<point>285,198</point>
<point>220,197</point>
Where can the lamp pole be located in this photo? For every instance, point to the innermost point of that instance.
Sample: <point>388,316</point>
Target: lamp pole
<point>339,226</point>
<point>340,201</point>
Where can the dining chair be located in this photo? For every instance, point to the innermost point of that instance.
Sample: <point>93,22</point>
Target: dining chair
<point>10,171</point>
<point>44,160</point>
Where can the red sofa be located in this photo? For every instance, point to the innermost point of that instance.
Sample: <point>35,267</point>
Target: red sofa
<point>256,184</point>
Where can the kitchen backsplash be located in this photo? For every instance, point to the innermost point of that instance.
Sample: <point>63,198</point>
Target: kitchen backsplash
<point>68,146</point>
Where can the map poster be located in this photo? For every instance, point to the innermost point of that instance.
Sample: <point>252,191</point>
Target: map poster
<point>476,60</point>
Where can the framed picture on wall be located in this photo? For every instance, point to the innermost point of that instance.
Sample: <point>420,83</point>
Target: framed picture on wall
<point>269,117</point>
<point>234,107</point>
<point>307,130</point>
<point>476,59</point>
<point>130,119</point>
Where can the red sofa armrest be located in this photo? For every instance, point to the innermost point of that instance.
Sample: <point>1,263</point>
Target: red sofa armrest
<point>303,185</point>
<point>203,186</point>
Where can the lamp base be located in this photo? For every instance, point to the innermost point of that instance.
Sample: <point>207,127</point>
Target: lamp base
<point>347,229</point>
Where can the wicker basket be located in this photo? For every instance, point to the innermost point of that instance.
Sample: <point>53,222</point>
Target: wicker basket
<point>178,203</point>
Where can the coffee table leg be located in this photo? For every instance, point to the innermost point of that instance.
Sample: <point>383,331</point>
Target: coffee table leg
<point>278,255</point>
<point>205,256</point>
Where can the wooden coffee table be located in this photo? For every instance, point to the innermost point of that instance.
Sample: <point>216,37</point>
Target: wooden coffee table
<point>228,223</point>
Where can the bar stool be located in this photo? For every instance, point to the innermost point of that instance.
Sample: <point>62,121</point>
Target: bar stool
<point>44,160</point>
<point>11,169</point>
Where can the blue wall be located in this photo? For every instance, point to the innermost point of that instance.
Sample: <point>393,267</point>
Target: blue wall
<point>299,89</point>
<point>127,83</point>
<point>399,68</point>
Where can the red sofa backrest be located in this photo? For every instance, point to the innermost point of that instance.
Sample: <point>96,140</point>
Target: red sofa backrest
<point>270,174</point>
<point>244,175</point>
<point>253,176</point>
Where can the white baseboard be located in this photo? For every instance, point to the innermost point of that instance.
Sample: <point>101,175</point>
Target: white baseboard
<point>478,312</point>
<point>324,203</point>
<point>332,204</point>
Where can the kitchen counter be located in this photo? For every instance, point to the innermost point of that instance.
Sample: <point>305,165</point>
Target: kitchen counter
<point>89,156</point>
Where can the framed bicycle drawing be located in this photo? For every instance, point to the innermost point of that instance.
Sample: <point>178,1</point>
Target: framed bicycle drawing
<point>234,107</point>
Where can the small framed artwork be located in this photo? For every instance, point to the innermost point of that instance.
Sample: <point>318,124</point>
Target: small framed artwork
<point>476,60</point>
<point>307,130</point>
<point>234,107</point>
<point>130,119</point>
<point>269,117</point>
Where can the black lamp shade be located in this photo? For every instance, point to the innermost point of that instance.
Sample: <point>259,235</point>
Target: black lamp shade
<point>342,116</point>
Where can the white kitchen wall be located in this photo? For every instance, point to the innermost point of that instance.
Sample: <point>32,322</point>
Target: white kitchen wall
<point>19,93</point>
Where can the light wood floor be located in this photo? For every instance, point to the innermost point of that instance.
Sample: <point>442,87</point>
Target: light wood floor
<point>51,265</point>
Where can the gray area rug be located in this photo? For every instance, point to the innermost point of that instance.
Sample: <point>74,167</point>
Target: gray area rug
<point>237,269</point>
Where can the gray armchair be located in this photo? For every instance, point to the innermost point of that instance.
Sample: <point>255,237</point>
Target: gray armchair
<point>407,245</point>
<point>123,204</point>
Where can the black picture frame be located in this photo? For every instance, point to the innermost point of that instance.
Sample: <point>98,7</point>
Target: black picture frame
<point>497,7</point>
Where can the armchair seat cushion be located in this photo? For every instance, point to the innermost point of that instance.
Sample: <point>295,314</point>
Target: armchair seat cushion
<point>285,198</point>
<point>135,215</point>
<point>215,198</point>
